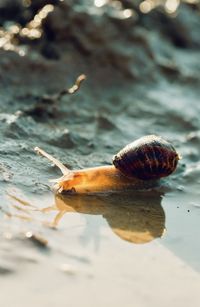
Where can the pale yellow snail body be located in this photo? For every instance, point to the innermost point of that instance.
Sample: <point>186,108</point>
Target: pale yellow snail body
<point>137,166</point>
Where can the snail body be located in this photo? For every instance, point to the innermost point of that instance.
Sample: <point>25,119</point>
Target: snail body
<point>137,166</point>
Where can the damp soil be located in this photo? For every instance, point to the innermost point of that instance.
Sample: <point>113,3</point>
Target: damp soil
<point>139,248</point>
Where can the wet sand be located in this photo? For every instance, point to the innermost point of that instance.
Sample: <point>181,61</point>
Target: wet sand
<point>137,248</point>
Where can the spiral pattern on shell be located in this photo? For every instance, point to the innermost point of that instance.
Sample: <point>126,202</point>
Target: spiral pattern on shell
<point>150,157</point>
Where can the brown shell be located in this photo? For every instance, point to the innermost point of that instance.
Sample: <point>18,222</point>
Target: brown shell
<point>149,157</point>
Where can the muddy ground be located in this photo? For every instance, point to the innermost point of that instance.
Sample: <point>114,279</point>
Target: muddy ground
<point>142,65</point>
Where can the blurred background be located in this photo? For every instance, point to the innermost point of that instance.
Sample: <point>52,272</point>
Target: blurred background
<point>142,65</point>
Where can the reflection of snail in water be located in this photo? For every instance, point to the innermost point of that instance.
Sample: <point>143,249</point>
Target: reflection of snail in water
<point>138,165</point>
<point>134,217</point>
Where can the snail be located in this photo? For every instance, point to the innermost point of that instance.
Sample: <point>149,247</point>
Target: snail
<point>137,166</point>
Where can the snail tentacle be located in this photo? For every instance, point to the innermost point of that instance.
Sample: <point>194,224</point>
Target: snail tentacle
<point>65,171</point>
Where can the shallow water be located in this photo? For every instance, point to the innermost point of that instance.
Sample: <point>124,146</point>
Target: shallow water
<point>120,249</point>
<point>136,248</point>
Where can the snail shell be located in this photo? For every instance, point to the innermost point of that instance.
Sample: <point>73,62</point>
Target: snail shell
<point>149,157</point>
